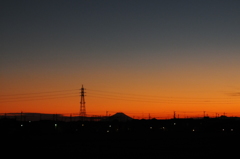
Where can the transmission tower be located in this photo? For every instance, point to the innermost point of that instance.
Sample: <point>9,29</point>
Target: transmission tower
<point>82,103</point>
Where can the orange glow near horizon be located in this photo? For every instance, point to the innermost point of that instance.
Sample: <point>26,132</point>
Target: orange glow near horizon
<point>189,94</point>
<point>187,87</point>
<point>134,105</point>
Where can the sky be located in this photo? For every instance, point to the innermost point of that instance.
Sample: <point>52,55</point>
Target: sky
<point>134,56</point>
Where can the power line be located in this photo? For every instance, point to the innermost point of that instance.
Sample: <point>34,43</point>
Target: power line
<point>39,96</point>
<point>146,96</point>
<point>34,99</point>
<point>112,96</point>
<point>152,98</point>
<point>160,101</point>
<point>48,92</point>
<point>155,100</point>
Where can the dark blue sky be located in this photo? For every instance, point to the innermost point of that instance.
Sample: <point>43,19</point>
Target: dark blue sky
<point>145,46</point>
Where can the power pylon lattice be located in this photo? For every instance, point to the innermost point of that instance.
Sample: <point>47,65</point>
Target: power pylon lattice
<point>82,103</point>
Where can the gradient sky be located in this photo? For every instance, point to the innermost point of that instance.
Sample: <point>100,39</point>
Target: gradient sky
<point>136,57</point>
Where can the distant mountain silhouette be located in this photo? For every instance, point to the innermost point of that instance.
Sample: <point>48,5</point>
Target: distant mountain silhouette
<point>119,117</point>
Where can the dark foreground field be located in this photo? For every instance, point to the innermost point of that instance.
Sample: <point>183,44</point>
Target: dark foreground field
<point>144,145</point>
<point>206,138</point>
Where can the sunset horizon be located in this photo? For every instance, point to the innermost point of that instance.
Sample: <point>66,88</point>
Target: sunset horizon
<point>137,57</point>
<point>105,103</point>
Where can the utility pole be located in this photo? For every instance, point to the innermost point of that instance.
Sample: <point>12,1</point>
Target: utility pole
<point>21,116</point>
<point>82,103</point>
